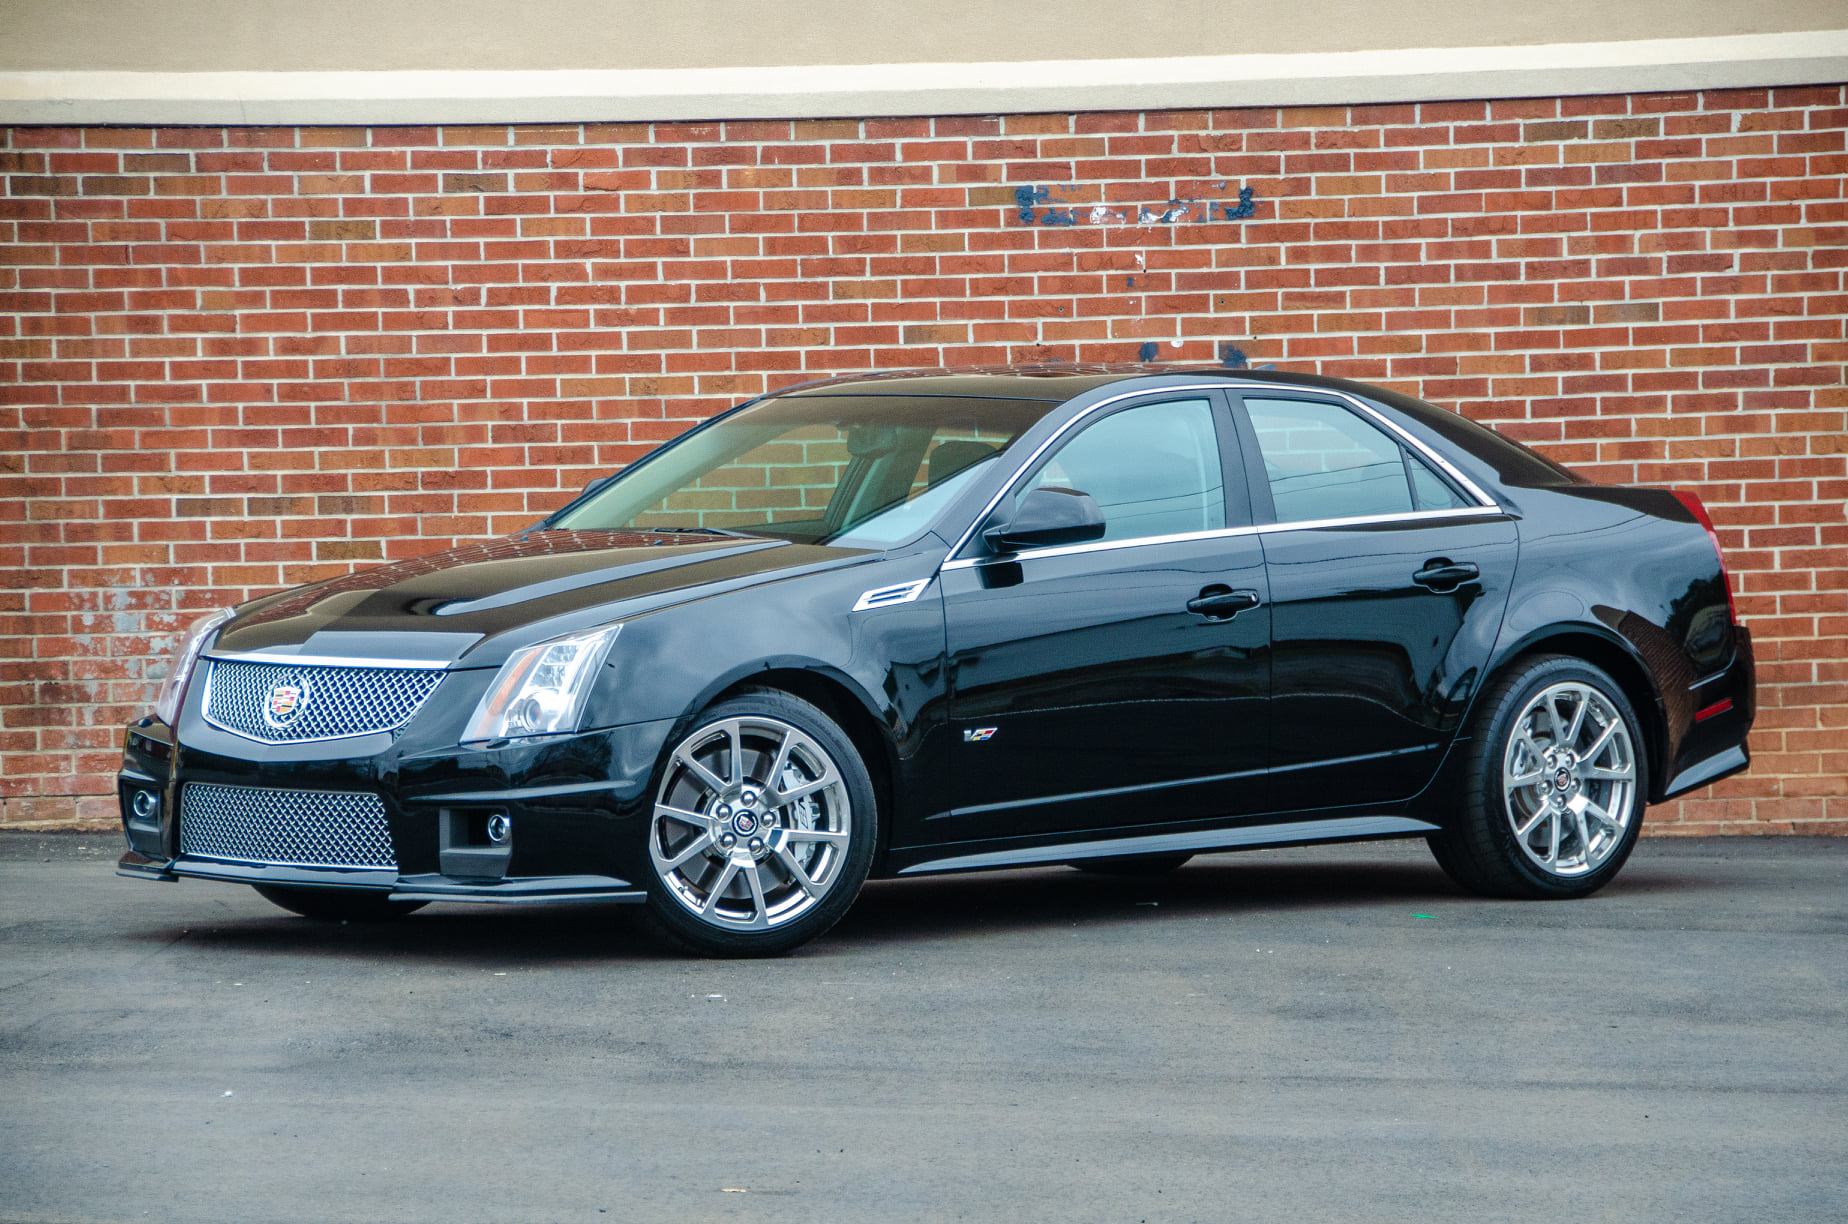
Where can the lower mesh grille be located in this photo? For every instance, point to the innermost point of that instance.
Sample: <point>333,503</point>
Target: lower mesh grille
<point>296,827</point>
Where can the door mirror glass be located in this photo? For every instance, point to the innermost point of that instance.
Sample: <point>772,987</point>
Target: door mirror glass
<point>1046,517</point>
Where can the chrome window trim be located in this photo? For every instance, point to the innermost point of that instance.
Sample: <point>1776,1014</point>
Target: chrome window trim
<point>1225,533</point>
<point>258,656</point>
<point>1021,469</point>
<point>1399,431</point>
<point>1484,503</point>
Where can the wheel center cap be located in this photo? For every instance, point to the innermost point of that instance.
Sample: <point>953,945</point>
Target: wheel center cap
<point>744,823</point>
<point>1563,779</point>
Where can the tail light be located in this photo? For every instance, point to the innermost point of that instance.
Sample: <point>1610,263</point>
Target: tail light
<point>1699,511</point>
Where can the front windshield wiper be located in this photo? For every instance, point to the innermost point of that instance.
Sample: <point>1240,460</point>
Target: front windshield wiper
<point>712,531</point>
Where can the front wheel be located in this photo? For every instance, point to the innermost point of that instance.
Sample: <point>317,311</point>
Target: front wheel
<point>763,828</point>
<point>1555,784</point>
<point>338,905</point>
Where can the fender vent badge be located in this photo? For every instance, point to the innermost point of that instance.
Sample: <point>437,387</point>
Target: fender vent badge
<point>888,596</point>
<point>979,735</point>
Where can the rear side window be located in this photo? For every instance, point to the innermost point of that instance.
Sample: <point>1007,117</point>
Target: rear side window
<point>1325,462</point>
<point>1154,470</point>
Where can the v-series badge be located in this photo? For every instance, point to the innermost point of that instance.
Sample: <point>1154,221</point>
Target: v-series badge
<point>978,735</point>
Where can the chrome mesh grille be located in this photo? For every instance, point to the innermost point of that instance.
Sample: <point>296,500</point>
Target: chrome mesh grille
<point>298,827</point>
<point>331,702</point>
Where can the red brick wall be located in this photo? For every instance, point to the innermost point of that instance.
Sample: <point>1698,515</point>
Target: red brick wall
<point>234,360</point>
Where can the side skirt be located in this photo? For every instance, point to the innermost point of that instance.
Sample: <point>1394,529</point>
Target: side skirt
<point>1292,833</point>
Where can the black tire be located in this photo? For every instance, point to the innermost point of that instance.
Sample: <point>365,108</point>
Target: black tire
<point>674,921</point>
<point>338,904</point>
<point>1479,848</point>
<point>1132,865</point>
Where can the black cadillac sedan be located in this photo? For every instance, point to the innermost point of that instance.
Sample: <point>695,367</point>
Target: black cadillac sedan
<point>889,626</point>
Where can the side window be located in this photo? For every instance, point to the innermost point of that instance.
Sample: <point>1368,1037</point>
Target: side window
<point>1153,469</point>
<point>1428,488</point>
<point>1324,462</point>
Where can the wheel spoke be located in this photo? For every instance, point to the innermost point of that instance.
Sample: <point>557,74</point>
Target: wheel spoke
<point>1559,726</point>
<point>816,835</point>
<point>697,846</point>
<point>1597,773</point>
<point>783,798</point>
<point>1517,781</point>
<point>797,875</point>
<point>1552,847</point>
<point>718,888</point>
<point>760,912</point>
<point>734,733</point>
<point>1578,717</point>
<point>698,820</point>
<point>780,761</point>
<point>707,778</point>
<point>1524,831</point>
<point>1585,807</point>
<point>1596,748</point>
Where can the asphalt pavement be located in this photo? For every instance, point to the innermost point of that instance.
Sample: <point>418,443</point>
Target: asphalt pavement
<point>1325,1034</point>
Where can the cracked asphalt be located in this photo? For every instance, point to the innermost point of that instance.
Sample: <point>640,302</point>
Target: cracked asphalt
<point>1319,1034</point>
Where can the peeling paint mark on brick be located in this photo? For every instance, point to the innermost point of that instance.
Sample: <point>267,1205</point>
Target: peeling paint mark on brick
<point>1147,351</point>
<point>1233,357</point>
<point>1058,204</point>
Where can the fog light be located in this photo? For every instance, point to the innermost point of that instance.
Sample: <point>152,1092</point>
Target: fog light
<point>144,804</point>
<point>500,828</point>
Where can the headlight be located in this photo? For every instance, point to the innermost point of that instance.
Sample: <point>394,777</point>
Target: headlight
<point>173,689</point>
<point>541,690</point>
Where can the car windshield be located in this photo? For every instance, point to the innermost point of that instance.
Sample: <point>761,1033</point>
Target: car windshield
<point>866,471</point>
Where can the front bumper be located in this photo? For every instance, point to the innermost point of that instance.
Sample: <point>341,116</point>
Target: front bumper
<point>400,887</point>
<point>577,807</point>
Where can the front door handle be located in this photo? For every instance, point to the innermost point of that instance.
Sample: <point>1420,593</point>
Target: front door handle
<point>1443,575</point>
<point>1222,603</point>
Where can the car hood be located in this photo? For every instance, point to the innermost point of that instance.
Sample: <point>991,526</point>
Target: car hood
<point>470,606</point>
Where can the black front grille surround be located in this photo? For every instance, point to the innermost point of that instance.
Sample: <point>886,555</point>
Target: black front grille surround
<point>284,703</point>
<point>296,828</point>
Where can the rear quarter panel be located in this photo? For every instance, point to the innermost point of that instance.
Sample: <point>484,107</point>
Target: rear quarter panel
<point>1632,568</point>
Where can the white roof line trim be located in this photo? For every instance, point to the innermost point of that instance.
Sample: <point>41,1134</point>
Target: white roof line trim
<point>475,96</point>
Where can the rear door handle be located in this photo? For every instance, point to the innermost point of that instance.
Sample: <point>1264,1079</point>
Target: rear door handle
<point>1443,575</point>
<point>1222,603</point>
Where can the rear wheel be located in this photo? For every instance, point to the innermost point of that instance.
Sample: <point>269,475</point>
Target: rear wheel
<point>763,828</point>
<point>1134,865</point>
<point>1555,784</point>
<point>337,904</point>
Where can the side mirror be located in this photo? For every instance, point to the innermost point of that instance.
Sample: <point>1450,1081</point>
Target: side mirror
<point>1045,517</point>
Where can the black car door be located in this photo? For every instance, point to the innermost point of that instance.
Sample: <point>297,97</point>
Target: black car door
<point>1388,578</point>
<point>1084,692</point>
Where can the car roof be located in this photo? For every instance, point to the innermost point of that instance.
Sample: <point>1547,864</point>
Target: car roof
<point>1054,383</point>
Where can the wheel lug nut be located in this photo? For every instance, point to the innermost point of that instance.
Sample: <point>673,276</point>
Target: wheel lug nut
<point>728,841</point>
<point>757,845</point>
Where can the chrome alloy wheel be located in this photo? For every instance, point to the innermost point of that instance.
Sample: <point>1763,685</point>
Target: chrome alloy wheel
<point>1569,779</point>
<point>751,824</point>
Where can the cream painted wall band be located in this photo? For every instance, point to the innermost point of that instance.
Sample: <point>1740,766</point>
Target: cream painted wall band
<point>593,95</point>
